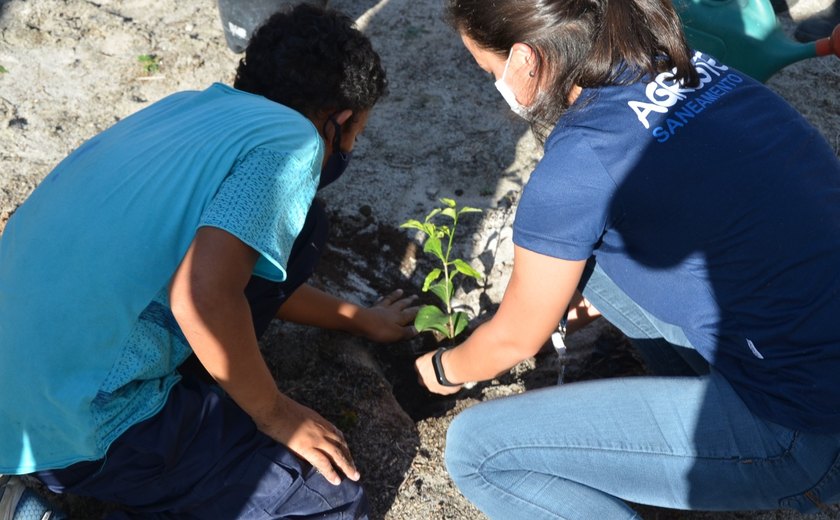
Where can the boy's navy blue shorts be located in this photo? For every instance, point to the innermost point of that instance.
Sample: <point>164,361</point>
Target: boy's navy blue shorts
<point>202,457</point>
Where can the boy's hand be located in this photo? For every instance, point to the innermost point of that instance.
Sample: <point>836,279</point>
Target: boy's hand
<point>391,318</point>
<point>208,301</point>
<point>313,439</point>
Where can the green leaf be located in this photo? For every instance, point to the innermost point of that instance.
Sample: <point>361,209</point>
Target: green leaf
<point>413,224</point>
<point>433,246</point>
<point>434,275</point>
<point>432,214</point>
<point>460,321</point>
<point>443,290</point>
<point>466,269</point>
<point>468,209</point>
<point>449,202</point>
<point>149,62</point>
<point>432,318</point>
<point>3,69</point>
<point>449,212</point>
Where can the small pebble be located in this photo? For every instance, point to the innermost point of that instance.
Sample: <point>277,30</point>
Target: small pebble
<point>18,122</point>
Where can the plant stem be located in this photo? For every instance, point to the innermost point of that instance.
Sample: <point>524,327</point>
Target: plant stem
<point>448,281</point>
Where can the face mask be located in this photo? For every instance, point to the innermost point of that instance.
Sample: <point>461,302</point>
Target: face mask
<point>337,162</point>
<point>507,93</point>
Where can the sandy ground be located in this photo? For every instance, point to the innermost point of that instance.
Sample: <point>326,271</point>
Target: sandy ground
<point>72,70</point>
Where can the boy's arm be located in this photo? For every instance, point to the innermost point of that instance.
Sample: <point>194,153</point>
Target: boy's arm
<point>208,301</point>
<point>389,320</point>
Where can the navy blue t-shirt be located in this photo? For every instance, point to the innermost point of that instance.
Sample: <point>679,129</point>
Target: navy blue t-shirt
<point>716,209</point>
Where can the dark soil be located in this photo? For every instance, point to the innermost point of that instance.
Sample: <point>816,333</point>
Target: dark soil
<point>355,242</point>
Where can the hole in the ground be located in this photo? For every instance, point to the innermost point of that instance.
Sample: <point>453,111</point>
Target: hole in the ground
<point>384,258</point>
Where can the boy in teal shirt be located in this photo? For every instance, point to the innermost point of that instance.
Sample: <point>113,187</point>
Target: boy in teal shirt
<point>141,244</point>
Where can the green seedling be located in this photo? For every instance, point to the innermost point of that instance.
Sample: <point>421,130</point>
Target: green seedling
<point>347,420</point>
<point>440,280</point>
<point>149,62</point>
<point>3,69</point>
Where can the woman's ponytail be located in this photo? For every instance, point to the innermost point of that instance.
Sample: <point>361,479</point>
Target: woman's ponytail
<point>645,36</point>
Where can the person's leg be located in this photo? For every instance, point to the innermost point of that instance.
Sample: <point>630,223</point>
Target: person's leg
<point>202,457</point>
<point>664,347</point>
<point>578,451</point>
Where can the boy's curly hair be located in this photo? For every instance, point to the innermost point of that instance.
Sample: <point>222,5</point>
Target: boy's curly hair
<point>311,59</point>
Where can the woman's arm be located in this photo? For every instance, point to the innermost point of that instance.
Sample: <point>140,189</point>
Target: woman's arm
<point>209,304</point>
<point>388,320</point>
<point>535,301</point>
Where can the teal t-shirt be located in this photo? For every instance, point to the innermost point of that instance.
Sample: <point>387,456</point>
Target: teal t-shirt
<point>88,344</point>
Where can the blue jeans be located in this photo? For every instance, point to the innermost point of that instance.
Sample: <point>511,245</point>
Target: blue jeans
<point>578,451</point>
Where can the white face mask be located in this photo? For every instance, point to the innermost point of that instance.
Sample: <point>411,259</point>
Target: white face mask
<point>507,93</point>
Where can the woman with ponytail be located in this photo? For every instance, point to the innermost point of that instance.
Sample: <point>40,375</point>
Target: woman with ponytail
<point>700,214</point>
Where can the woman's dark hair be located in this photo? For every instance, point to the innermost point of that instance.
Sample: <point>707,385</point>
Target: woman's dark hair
<point>588,43</point>
<point>311,60</point>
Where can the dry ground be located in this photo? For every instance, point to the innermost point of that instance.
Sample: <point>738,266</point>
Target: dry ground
<point>72,70</point>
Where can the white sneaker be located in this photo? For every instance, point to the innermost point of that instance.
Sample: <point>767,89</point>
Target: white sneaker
<point>18,502</point>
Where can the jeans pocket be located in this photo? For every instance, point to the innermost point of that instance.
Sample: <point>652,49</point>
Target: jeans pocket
<point>275,484</point>
<point>818,498</point>
<point>268,480</point>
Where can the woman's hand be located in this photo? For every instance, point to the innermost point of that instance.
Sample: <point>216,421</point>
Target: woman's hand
<point>426,375</point>
<point>537,296</point>
<point>312,438</point>
<point>391,318</point>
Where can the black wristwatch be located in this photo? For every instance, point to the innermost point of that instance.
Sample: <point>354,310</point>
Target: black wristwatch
<point>438,365</point>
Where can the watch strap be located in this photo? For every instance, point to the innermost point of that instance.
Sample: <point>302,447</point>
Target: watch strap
<point>437,363</point>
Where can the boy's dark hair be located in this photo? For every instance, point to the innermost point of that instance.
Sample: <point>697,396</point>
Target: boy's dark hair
<point>311,59</point>
<point>588,43</point>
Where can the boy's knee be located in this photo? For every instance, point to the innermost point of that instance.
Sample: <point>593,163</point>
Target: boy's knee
<point>278,482</point>
<point>349,498</point>
<point>358,504</point>
<point>344,501</point>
